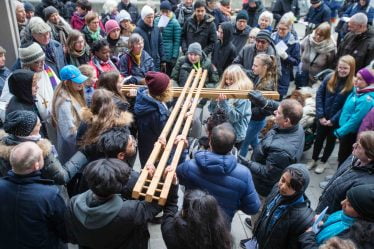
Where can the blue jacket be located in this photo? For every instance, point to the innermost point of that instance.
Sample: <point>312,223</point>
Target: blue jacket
<point>32,212</point>
<point>329,105</point>
<point>128,67</point>
<point>354,110</point>
<point>357,8</point>
<point>151,116</point>
<point>152,42</point>
<point>318,15</point>
<point>4,73</point>
<point>228,181</point>
<point>219,17</point>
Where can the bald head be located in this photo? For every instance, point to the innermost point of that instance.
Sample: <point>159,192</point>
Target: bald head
<point>26,158</point>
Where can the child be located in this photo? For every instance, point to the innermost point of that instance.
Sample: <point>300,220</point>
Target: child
<point>89,71</point>
<point>238,110</point>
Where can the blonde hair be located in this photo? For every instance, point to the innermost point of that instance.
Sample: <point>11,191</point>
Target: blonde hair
<point>268,15</point>
<point>271,70</point>
<point>87,70</point>
<point>109,6</point>
<point>239,77</point>
<point>166,95</point>
<point>331,84</point>
<point>287,19</point>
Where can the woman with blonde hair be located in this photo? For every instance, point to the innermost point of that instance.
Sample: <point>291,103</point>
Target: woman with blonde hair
<point>237,110</point>
<point>68,101</point>
<point>330,98</point>
<point>77,50</point>
<point>318,52</point>
<point>265,69</point>
<point>265,20</point>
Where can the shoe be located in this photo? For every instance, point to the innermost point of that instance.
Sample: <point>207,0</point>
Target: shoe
<point>311,164</point>
<point>321,168</point>
<point>248,222</point>
<point>323,184</point>
<point>328,178</point>
<point>242,243</point>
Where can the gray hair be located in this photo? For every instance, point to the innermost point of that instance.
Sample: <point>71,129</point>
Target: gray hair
<point>135,38</point>
<point>18,4</point>
<point>359,18</point>
<point>267,14</point>
<point>24,156</point>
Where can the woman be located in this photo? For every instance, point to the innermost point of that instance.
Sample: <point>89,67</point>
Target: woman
<point>66,109</point>
<point>318,52</point>
<point>116,45</point>
<point>357,105</point>
<point>124,20</point>
<point>101,57</point>
<point>356,170</point>
<point>265,20</point>
<point>77,50</point>
<point>135,63</point>
<point>290,57</point>
<point>92,30</point>
<point>110,11</point>
<point>330,98</point>
<point>199,225</point>
<point>265,69</point>
<point>286,213</point>
<point>77,20</point>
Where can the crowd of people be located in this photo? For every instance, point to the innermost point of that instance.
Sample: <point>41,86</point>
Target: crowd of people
<point>70,136</point>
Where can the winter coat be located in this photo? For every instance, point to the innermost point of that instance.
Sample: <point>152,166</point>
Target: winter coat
<point>203,33</point>
<point>101,66</point>
<point>228,181</point>
<point>77,22</point>
<point>367,123</point>
<point>128,67</point>
<point>318,15</point>
<point>254,13</point>
<point>219,17</point>
<point>87,37</point>
<point>329,105</point>
<point>171,38</point>
<point>277,150</point>
<point>34,211</point>
<point>151,116</point>
<point>239,114</point>
<point>115,223</point>
<point>240,38</point>
<point>182,13</point>
<point>288,64</point>
<point>361,47</point>
<point>131,9</point>
<point>60,31</point>
<point>224,52</point>
<point>4,73</point>
<point>79,60</point>
<point>354,110</point>
<point>282,7</point>
<point>183,68</point>
<point>153,43</point>
<point>258,113</point>
<point>350,174</point>
<point>355,8</point>
<point>59,5</point>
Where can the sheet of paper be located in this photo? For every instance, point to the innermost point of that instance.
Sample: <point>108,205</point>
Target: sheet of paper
<point>281,46</point>
<point>163,22</point>
<point>251,244</point>
<point>315,226</point>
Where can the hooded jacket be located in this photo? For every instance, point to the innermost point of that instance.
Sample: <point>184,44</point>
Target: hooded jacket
<point>318,15</point>
<point>224,51</point>
<point>228,181</point>
<point>240,38</point>
<point>290,215</point>
<point>254,13</point>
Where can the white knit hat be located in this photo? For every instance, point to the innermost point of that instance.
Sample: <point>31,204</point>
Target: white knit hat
<point>123,15</point>
<point>146,10</point>
<point>30,54</point>
<point>38,26</point>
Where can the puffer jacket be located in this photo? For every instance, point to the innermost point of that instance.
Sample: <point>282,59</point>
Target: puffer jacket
<point>254,13</point>
<point>318,15</point>
<point>277,150</point>
<point>367,123</point>
<point>228,181</point>
<point>171,38</point>
<point>203,33</point>
<point>240,38</point>
<point>128,67</point>
<point>355,8</point>
<point>350,174</point>
<point>329,105</point>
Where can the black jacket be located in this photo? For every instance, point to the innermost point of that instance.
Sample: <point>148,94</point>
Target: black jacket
<point>281,7</point>
<point>254,13</point>
<point>240,38</point>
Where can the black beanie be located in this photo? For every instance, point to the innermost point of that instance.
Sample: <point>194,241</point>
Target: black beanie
<point>20,123</point>
<point>242,15</point>
<point>362,200</point>
<point>20,85</point>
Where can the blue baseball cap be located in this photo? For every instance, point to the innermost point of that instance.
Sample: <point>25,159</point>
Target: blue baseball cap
<point>72,73</point>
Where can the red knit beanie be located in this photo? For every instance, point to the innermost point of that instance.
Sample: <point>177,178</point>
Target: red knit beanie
<point>111,25</point>
<point>157,82</point>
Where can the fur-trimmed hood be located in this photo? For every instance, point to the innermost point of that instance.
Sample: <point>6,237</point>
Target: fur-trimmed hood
<point>125,118</point>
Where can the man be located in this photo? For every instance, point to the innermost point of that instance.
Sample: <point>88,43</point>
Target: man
<point>218,172</point>
<point>318,13</point>
<point>20,16</point>
<point>32,210</point>
<point>264,45</point>
<point>199,28</point>
<point>131,9</point>
<point>213,10</point>
<point>184,11</point>
<point>254,9</point>
<point>29,9</point>
<point>241,31</point>
<point>359,42</point>
<point>60,28</point>
<point>153,43</point>
<point>4,71</point>
<point>281,7</point>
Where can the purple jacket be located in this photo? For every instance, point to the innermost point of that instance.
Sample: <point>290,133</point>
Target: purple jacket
<point>368,122</point>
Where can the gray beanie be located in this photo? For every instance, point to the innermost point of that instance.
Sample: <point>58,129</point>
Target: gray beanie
<point>49,11</point>
<point>20,123</point>
<point>123,15</point>
<point>38,26</point>
<point>30,54</point>
<point>264,34</point>
<point>195,48</point>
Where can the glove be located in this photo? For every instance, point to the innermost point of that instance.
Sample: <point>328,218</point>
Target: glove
<point>243,161</point>
<point>283,55</point>
<point>257,99</point>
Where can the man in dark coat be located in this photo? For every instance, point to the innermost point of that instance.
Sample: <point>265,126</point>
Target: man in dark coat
<point>241,31</point>
<point>32,210</point>
<point>281,7</point>
<point>211,9</point>
<point>254,9</point>
<point>131,8</point>
<point>199,28</point>
<point>318,13</point>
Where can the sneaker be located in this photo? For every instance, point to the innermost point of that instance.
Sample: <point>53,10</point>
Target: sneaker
<point>248,222</point>
<point>323,184</point>
<point>321,168</point>
<point>328,178</point>
<point>311,164</point>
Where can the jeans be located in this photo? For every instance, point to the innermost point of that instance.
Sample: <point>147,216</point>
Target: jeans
<point>323,133</point>
<point>251,138</point>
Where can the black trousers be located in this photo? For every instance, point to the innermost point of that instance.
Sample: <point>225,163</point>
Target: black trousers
<point>345,148</point>
<point>323,133</point>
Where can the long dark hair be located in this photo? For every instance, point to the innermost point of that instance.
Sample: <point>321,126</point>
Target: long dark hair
<point>201,224</point>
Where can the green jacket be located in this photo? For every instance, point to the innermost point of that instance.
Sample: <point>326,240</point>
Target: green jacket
<point>171,37</point>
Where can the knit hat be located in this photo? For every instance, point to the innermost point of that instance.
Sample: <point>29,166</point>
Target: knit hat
<point>20,123</point>
<point>195,48</point>
<point>242,15</point>
<point>20,85</point>
<point>123,15</point>
<point>362,200</point>
<point>70,72</point>
<point>50,10</point>
<point>264,34</point>
<point>315,1</point>
<point>146,10</point>
<point>111,25</point>
<point>28,6</point>
<point>165,5</point>
<point>38,26</point>
<point>157,82</point>
<point>366,75</point>
<point>30,54</point>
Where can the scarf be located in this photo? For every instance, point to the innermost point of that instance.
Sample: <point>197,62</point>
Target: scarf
<point>51,76</point>
<point>137,57</point>
<point>112,43</point>
<point>97,62</point>
<point>277,38</point>
<point>94,35</point>
<point>322,47</point>
<point>337,223</point>
<point>367,89</point>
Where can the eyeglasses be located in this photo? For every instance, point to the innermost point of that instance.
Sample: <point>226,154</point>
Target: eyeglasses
<point>261,41</point>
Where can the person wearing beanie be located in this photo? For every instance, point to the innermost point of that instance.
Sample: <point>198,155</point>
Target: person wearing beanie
<point>240,30</point>
<point>254,8</point>
<point>131,9</point>
<point>151,111</point>
<point>77,21</point>
<point>213,10</point>
<point>126,25</point>
<point>153,43</point>
<point>4,71</point>
<point>357,206</point>
<point>113,37</point>
<point>59,27</point>
<point>184,11</point>
<point>319,12</point>
<point>29,9</point>
<point>199,28</point>
<point>171,35</point>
